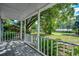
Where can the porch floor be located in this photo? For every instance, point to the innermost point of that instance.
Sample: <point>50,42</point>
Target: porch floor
<point>17,48</point>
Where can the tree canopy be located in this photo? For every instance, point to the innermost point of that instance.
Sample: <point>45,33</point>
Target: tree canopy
<point>58,16</point>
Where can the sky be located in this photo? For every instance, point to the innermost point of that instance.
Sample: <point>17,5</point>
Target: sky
<point>76,8</point>
<point>13,22</point>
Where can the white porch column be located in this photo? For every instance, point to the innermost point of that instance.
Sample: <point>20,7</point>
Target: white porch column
<point>0,29</point>
<point>38,34</point>
<point>25,30</point>
<point>21,29</point>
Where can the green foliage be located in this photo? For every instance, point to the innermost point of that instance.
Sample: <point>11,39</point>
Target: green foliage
<point>76,51</point>
<point>10,25</point>
<point>76,25</point>
<point>58,16</point>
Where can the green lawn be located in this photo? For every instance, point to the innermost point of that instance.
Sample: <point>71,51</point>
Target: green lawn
<point>62,36</point>
<point>66,38</point>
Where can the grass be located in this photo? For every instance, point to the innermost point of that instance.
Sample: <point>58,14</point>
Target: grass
<point>66,38</point>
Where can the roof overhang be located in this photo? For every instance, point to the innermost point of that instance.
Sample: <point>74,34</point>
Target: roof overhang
<point>21,11</point>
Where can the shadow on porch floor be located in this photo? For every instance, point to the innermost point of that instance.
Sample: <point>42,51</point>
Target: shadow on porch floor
<point>17,48</point>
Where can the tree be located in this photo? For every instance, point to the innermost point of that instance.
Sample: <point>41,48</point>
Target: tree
<point>9,24</point>
<point>46,22</point>
<point>54,17</point>
<point>76,25</point>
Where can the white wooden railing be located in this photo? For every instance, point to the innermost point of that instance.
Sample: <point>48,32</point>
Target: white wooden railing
<point>9,36</point>
<point>47,46</point>
<point>51,47</point>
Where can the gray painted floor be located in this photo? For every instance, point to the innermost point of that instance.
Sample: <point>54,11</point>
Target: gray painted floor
<point>17,48</point>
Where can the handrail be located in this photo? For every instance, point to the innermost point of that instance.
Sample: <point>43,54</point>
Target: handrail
<point>69,43</point>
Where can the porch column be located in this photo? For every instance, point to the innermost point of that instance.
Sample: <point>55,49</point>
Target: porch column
<point>24,29</point>
<point>0,28</point>
<point>38,34</point>
<point>21,29</point>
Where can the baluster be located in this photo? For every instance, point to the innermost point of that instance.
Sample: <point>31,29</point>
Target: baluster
<point>72,50</point>
<point>57,48</point>
<point>44,45</point>
<point>47,47</point>
<point>13,35</point>
<point>41,44</point>
<point>27,38</point>
<point>10,36</point>
<point>2,37</point>
<point>31,39</point>
<point>63,49</point>
<point>51,47</point>
<point>5,36</point>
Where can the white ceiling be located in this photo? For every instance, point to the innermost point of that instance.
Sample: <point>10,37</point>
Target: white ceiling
<point>19,10</point>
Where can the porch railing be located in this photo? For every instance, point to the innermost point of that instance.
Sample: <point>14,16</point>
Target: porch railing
<point>51,47</point>
<point>9,36</point>
<point>47,46</point>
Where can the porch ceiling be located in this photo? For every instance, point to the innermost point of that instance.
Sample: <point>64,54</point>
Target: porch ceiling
<point>19,10</point>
